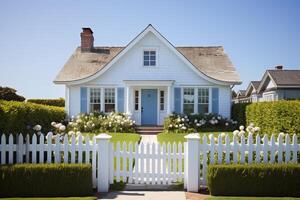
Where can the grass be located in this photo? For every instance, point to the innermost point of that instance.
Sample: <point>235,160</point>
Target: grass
<point>254,198</point>
<point>120,137</point>
<point>52,198</point>
<point>179,137</point>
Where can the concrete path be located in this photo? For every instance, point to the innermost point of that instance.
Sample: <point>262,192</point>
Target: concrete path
<point>148,195</point>
<point>149,139</point>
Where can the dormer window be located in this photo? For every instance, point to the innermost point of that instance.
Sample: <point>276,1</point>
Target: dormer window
<point>149,58</point>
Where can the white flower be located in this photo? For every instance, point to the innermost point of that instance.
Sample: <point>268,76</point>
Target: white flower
<point>170,125</point>
<point>236,132</point>
<point>133,122</point>
<point>71,133</point>
<point>186,116</point>
<point>195,121</point>
<point>223,135</point>
<point>178,119</point>
<point>226,124</point>
<point>251,124</point>
<point>62,128</point>
<point>198,124</point>
<point>37,127</point>
<point>216,121</point>
<point>184,128</point>
<point>182,119</point>
<point>256,129</point>
<point>219,118</point>
<point>176,126</point>
<point>53,123</point>
<point>242,128</point>
<point>241,133</point>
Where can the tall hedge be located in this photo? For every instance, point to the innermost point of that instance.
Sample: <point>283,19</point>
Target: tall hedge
<point>40,180</point>
<point>275,117</point>
<point>254,180</point>
<point>238,112</point>
<point>20,117</point>
<point>50,102</point>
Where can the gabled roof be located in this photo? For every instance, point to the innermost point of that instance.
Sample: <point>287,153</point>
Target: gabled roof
<point>241,93</point>
<point>281,79</point>
<point>253,85</point>
<point>212,63</point>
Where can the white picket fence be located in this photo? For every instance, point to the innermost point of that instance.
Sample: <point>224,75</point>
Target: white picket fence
<point>148,163</point>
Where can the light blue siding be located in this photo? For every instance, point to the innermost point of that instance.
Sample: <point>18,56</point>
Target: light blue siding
<point>215,100</point>
<point>177,100</point>
<point>120,99</point>
<point>83,100</point>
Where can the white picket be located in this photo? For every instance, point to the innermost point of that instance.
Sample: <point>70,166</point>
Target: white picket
<point>49,147</point>
<point>94,162</point>
<point>280,148</point>
<point>287,148</point>
<point>265,148</point>
<point>273,149</point>
<point>295,148</point>
<point>257,149</point>
<point>27,148</point>
<point>142,165</point>
<point>66,148</point>
<point>34,145</point>
<point>41,148</point>
<point>111,160</point>
<point>169,163</point>
<point>73,148</point>
<point>153,157</point>
<point>136,166</point>
<point>174,157</point>
<point>164,176</point>
<point>250,148</point>
<point>9,148</point>
<point>242,149</point>
<point>220,149</point>
<point>212,150</point>
<point>3,149</point>
<point>118,162</point>
<point>57,149</point>
<point>180,157</point>
<point>130,148</point>
<point>20,149</point>
<point>87,149</point>
<point>204,154</point>
<point>124,173</point>
<point>159,164</point>
<point>148,163</point>
<point>235,149</point>
<point>227,149</point>
<point>80,148</point>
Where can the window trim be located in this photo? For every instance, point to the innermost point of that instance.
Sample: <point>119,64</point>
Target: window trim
<point>196,98</point>
<point>114,99</point>
<point>164,101</point>
<point>150,48</point>
<point>102,97</point>
<point>89,98</point>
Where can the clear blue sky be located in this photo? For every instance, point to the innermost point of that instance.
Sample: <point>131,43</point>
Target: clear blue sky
<point>37,37</point>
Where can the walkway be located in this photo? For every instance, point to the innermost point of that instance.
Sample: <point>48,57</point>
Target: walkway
<point>148,195</point>
<point>149,139</point>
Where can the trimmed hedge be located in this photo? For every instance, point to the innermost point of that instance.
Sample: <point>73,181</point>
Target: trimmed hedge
<point>20,117</point>
<point>238,113</point>
<point>50,102</point>
<point>254,180</point>
<point>275,117</point>
<point>43,180</point>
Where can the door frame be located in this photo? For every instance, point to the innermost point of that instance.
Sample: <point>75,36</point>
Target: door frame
<point>157,106</point>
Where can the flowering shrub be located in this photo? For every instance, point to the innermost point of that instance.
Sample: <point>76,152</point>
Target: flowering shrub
<point>198,122</point>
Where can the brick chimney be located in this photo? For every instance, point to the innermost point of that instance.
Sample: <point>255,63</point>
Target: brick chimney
<point>87,40</point>
<point>279,67</point>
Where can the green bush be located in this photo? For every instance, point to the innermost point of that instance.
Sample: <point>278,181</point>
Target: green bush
<point>238,112</point>
<point>275,117</point>
<point>254,180</point>
<point>50,102</point>
<point>45,180</point>
<point>10,94</point>
<point>21,117</point>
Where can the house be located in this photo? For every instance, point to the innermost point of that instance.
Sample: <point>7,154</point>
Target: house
<point>280,84</point>
<point>252,93</point>
<point>276,84</point>
<point>148,78</point>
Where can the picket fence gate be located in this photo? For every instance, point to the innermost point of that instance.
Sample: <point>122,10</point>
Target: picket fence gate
<point>148,163</point>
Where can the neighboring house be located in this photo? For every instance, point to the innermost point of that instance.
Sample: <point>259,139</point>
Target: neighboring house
<point>252,91</point>
<point>280,84</point>
<point>277,84</point>
<point>149,78</point>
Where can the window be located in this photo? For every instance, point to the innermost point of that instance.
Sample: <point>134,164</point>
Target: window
<point>109,100</point>
<point>149,58</point>
<point>162,100</point>
<point>95,99</point>
<point>136,100</point>
<point>203,100</point>
<point>188,100</point>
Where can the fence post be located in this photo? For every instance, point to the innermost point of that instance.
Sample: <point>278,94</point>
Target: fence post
<point>193,162</point>
<point>103,162</point>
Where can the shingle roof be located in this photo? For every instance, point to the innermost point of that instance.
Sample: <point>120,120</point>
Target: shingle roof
<point>255,84</point>
<point>212,61</point>
<point>285,77</point>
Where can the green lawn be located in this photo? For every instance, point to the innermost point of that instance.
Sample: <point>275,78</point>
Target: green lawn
<point>53,198</point>
<point>254,198</point>
<point>179,137</point>
<point>120,137</point>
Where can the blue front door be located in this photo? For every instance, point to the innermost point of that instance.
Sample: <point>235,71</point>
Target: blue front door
<point>149,106</point>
